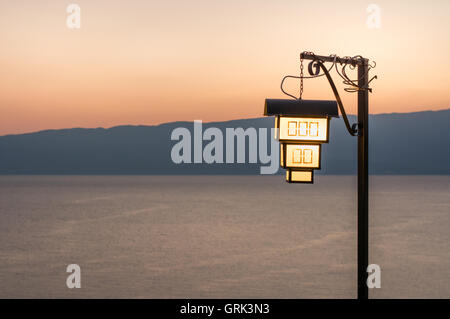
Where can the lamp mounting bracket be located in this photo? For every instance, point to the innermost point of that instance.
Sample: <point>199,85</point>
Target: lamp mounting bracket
<point>340,64</point>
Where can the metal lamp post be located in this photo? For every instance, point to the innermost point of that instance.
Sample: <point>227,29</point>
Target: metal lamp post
<point>359,129</point>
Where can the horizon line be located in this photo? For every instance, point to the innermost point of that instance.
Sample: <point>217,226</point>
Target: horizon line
<point>191,121</point>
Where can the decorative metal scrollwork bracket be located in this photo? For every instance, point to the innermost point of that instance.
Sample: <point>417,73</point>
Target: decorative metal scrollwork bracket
<point>317,63</point>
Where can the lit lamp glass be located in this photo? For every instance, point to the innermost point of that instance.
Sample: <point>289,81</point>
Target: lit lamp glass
<point>303,129</point>
<point>301,126</point>
<point>299,176</point>
<point>282,163</point>
<point>300,156</point>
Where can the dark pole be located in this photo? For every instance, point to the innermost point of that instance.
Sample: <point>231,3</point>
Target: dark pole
<point>363,157</point>
<point>363,180</point>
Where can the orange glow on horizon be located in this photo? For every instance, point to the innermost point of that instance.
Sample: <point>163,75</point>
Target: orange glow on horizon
<point>150,62</point>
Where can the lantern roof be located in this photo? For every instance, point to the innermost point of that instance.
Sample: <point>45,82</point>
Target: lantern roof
<point>306,108</point>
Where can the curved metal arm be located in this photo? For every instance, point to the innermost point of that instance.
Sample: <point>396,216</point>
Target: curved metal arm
<point>351,129</point>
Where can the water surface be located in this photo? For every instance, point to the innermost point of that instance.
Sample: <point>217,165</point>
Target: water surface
<point>220,236</point>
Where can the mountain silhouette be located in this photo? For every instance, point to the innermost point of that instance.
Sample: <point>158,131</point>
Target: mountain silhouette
<point>400,143</point>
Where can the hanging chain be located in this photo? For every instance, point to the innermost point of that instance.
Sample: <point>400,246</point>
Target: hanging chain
<point>301,77</point>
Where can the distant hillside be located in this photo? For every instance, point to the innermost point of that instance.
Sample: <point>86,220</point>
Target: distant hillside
<point>407,143</point>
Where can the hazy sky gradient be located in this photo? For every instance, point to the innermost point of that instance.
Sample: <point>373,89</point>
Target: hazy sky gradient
<point>148,62</point>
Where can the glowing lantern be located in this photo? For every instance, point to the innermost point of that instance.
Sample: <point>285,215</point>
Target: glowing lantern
<point>302,126</point>
<point>299,176</point>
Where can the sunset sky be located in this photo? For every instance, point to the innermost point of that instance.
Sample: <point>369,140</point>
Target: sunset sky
<point>149,62</point>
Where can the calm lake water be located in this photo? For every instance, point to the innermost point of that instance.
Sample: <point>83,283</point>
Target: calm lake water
<point>220,236</point>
